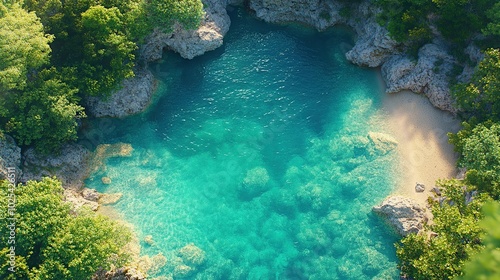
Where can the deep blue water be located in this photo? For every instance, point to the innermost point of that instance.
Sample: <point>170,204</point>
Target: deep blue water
<point>257,153</point>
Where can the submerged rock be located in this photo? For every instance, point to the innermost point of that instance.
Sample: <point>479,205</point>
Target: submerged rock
<point>382,143</point>
<point>255,183</point>
<point>109,198</point>
<point>192,255</point>
<point>403,214</point>
<point>10,156</point>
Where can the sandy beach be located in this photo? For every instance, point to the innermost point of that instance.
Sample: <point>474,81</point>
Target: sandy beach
<point>421,130</point>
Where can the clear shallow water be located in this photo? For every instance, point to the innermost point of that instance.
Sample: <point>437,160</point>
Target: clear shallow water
<point>257,153</point>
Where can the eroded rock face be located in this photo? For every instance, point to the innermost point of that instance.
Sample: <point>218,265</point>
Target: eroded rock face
<point>190,43</point>
<point>318,13</point>
<point>403,214</point>
<point>427,75</point>
<point>78,200</point>
<point>374,45</point>
<point>70,166</point>
<point>133,97</point>
<point>10,156</point>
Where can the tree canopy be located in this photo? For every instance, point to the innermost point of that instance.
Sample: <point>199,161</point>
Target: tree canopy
<point>24,47</point>
<point>50,242</point>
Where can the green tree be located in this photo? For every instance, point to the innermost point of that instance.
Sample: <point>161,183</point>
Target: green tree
<point>406,19</point>
<point>45,114</point>
<point>479,147</point>
<point>457,236</point>
<point>51,243</point>
<point>486,264</point>
<point>24,47</point>
<point>481,97</point>
<point>164,13</point>
<point>493,27</point>
<point>107,52</point>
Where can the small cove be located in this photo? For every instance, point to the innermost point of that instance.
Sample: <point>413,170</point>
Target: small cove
<point>258,153</point>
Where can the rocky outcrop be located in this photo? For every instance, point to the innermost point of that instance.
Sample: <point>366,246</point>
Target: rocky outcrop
<point>124,273</point>
<point>190,43</point>
<point>70,166</point>
<point>403,214</point>
<point>374,45</point>
<point>136,93</point>
<point>427,75</point>
<point>133,97</point>
<point>10,156</point>
<point>318,13</point>
<point>78,199</point>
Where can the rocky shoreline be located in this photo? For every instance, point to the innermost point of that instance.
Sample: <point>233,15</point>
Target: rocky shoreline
<point>428,74</point>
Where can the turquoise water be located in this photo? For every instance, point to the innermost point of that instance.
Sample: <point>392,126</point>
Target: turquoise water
<point>258,154</point>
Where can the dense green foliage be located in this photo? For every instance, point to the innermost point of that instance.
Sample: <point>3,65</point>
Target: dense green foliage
<point>456,20</point>
<point>480,97</point>
<point>479,146</point>
<point>486,265</point>
<point>50,242</point>
<point>457,236</point>
<point>456,224</point>
<point>24,46</point>
<point>54,53</point>
<point>164,13</point>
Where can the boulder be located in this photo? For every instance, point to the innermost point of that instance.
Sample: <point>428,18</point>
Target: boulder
<point>255,183</point>
<point>192,255</point>
<point>403,214</point>
<point>90,194</point>
<point>77,201</point>
<point>419,187</point>
<point>10,156</point>
<point>70,166</point>
<point>133,97</point>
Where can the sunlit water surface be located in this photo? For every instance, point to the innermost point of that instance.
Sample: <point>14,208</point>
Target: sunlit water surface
<point>258,154</point>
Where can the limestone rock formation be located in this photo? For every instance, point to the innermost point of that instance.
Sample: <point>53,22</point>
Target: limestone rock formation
<point>192,255</point>
<point>403,214</point>
<point>255,183</point>
<point>77,200</point>
<point>374,45</point>
<point>427,75</point>
<point>70,166</point>
<point>190,43</point>
<point>10,156</point>
<point>133,97</point>
<point>318,13</point>
<point>419,187</point>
